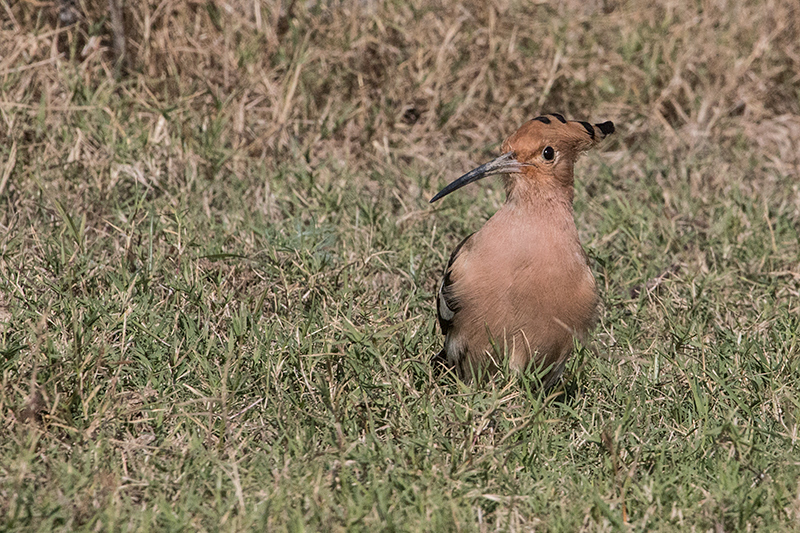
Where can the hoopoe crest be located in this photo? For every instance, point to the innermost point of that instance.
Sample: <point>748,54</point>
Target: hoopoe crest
<point>521,287</point>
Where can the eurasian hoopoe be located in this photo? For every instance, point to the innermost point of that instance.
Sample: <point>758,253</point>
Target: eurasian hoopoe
<point>521,287</point>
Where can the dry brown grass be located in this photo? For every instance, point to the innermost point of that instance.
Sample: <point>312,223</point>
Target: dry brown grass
<point>369,84</point>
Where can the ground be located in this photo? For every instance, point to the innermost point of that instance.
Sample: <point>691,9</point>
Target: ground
<point>218,266</point>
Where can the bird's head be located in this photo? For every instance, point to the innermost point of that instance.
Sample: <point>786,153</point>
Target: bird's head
<point>542,152</point>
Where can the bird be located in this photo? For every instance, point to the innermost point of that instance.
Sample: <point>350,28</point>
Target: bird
<point>520,288</point>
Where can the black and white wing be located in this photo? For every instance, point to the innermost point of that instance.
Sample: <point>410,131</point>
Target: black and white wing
<point>446,303</point>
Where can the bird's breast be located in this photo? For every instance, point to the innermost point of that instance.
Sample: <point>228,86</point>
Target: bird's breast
<point>528,277</point>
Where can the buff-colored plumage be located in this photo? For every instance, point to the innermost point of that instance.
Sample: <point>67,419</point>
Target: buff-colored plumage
<point>521,287</point>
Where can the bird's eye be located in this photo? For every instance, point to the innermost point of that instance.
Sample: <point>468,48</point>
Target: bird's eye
<point>548,153</point>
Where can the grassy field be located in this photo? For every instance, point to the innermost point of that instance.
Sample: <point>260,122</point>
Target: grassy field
<point>218,266</point>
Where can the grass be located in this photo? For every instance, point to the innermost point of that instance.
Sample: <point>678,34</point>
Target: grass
<point>217,268</point>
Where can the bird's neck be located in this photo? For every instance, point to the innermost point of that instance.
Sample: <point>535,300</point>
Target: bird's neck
<point>545,196</point>
<point>542,186</point>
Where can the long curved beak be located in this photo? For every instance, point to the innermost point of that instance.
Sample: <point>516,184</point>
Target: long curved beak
<point>505,164</point>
